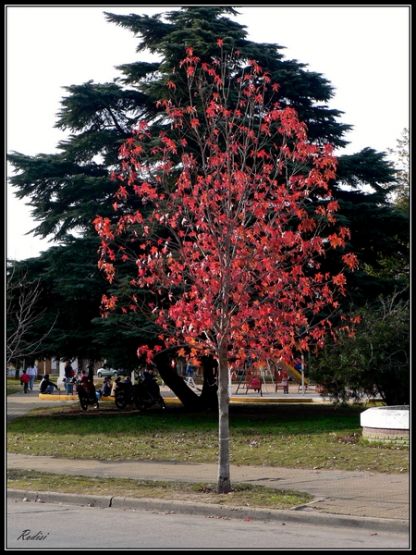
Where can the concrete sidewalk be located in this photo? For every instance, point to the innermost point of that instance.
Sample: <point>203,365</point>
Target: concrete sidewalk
<point>19,404</point>
<point>360,494</point>
<point>348,493</point>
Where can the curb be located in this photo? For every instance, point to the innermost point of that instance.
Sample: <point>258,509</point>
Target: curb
<point>102,501</point>
<point>213,510</point>
<point>175,401</point>
<point>235,400</point>
<point>65,397</point>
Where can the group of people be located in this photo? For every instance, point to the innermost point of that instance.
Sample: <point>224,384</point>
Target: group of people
<point>87,381</point>
<point>84,378</point>
<point>28,377</point>
<point>45,386</point>
<point>29,374</point>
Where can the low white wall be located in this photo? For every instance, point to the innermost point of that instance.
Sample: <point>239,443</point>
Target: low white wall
<point>393,418</point>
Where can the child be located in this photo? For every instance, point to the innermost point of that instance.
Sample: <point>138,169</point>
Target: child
<point>24,380</point>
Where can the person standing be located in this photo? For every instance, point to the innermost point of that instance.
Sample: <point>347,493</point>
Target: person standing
<point>189,375</point>
<point>69,371</point>
<point>24,380</point>
<point>32,372</point>
<point>69,374</point>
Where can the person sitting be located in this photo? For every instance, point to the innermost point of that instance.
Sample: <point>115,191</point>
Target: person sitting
<point>46,386</point>
<point>150,382</point>
<point>106,388</point>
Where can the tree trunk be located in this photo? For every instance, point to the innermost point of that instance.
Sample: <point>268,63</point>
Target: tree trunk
<point>209,394</point>
<point>224,482</point>
<point>90,370</point>
<point>176,383</point>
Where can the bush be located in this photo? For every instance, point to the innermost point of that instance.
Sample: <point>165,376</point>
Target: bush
<point>375,361</point>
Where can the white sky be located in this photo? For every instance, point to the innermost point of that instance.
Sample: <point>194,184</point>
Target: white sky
<point>362,51</point>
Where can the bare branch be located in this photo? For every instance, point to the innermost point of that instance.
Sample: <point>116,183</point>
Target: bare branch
<point>23,316</point>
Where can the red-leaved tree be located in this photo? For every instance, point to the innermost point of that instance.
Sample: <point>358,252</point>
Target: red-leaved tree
<point>232,217</point>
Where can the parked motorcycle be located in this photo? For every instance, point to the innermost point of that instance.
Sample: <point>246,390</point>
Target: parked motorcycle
<point>87,396</point>
<point>144,395</point>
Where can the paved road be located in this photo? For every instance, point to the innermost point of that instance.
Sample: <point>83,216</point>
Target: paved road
<point>63,526</point>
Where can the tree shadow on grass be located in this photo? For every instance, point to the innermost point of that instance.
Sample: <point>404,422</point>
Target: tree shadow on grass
<point>269,419</point>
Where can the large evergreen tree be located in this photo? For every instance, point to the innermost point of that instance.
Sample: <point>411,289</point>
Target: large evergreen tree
<point>67,189</point>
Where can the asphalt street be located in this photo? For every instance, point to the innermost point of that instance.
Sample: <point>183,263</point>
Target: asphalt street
<point>46,526</point>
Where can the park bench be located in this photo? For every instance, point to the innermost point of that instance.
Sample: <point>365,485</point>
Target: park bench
<point>254,382</point>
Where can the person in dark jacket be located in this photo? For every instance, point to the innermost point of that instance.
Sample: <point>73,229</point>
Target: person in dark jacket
<point>106,388</point>
<point>88,384</point>
<point>46,386</point>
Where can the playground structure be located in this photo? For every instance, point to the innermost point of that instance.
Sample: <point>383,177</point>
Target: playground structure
<point>272,372</point>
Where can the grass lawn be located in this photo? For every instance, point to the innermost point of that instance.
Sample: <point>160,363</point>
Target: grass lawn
<point>297,436</point>
<point>242,494</point>
<point>13,386</point>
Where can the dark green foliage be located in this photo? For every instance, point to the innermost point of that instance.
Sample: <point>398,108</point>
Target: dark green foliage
<point>137,70</point>
<point>200,27</point>
<point>375,361</point>
<point>64,194</point>
<point>379,232</point>
<point>367,167</point>
<point>98,106</point>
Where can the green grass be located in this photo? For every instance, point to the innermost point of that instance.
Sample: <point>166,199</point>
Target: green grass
<point>242,494</point>
<point>13,386</point>
<point>297,436</point>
